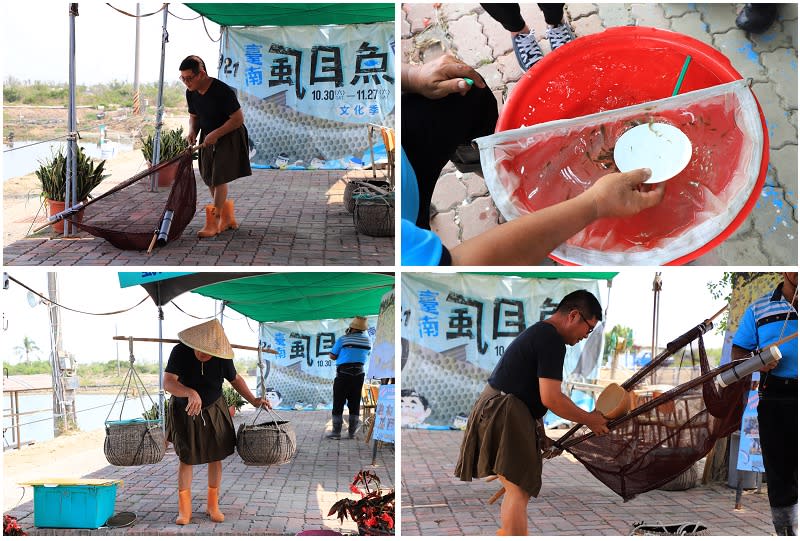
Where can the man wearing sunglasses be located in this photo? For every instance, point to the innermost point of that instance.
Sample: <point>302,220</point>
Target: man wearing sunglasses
<point>501,436</point>
<point>216,116</point>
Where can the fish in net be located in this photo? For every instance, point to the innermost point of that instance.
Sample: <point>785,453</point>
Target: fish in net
<point>662,438</point>
<point>131,217</point>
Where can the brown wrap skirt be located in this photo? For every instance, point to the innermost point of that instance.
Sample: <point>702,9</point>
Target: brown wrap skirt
<point>227,160</point>
<point>204,438</point>
<point>500,439</point>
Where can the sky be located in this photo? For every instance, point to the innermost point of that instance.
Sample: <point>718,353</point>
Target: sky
<point>35,38</point>
<point>89,338</point>
<point>685,301</point>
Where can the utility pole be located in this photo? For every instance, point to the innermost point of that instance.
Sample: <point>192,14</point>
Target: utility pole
<point>656,310</point>
<point>137,108</point>
<point>59,416</point>
<point>64,382</point>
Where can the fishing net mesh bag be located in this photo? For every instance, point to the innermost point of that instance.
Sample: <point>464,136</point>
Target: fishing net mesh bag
<point>666,433</point>
<point>128,217</point>
<point>266,444</point>
<point>534,167</point>
<point>134,443</point>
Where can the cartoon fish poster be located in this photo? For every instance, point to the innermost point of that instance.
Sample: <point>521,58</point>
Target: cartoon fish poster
<point>309,92</point>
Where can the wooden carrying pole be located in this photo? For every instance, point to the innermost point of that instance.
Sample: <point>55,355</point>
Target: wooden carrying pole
<point>174,341</point>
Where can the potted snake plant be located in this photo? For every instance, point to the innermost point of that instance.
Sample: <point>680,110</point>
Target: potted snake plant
<point>52,175</point>
<point>173,143</point>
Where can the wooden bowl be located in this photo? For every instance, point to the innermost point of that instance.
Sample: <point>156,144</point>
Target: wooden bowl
<point>613,402</point>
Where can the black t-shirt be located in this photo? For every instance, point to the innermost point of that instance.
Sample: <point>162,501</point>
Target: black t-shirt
<point>538,352</point>
<point>213,108</point>
<point>205,378</point>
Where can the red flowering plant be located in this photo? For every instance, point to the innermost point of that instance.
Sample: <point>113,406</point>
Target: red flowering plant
<point>374,512</point>
<point>11,526</point>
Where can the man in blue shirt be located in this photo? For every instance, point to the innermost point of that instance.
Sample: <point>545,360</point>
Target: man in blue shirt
<point>767,320</point>
<point>350,352</point>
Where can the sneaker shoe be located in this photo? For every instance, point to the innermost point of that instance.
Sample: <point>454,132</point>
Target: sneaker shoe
<point>527,50</point>
<point>757,18</point>
<point>560,35</point>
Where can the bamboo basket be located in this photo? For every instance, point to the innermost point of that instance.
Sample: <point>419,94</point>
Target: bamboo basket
<point>134,442</point>
<point>266,444</point>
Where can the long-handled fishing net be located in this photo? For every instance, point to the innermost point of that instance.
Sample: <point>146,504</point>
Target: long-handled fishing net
<point>136,218</point>
<point>663,437</point>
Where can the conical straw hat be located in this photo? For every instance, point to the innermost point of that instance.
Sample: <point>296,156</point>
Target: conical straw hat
<point>359,323</point>
<point>208,337</point>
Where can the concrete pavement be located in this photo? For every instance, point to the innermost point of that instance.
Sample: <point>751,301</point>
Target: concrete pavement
<point>256,500</point>
<point>461,203</point>
<point>572,501</point>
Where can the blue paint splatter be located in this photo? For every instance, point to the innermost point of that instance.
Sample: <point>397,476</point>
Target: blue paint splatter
<point>748,52</point>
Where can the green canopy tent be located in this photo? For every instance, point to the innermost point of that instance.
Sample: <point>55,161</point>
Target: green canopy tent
<point>268,297</point>
<point>286,14</point>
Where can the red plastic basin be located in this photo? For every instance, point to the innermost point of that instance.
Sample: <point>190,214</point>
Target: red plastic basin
<point>616,68</point>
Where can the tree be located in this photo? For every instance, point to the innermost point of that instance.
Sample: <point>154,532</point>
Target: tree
<point>618,341</point>
<point>28,346</point>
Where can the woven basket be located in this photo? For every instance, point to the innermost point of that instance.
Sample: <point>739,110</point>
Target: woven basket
<point>687,528</point>
<point>360,186</point>
<point>266,444</point>
<point>134,443</point>
<point>684,481</point>
<point>374,215</point>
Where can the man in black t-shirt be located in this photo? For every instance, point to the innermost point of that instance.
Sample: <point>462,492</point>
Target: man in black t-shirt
<point>216,116</point>
<point>501,435</point>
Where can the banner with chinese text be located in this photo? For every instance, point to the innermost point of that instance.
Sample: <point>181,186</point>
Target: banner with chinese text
<point>308,92</point>
<point>301,374</point>
<point>381,359</point>
<point>384,415</point>
<point>455,328</point>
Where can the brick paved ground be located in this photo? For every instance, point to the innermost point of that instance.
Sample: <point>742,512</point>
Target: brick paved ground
<point>256,500</point>
<point>572,501</point>
<point>286,218</point>
<point>768,237</point>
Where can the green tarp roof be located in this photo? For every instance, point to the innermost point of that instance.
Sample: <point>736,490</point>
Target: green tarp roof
<point>286,14</point>
<point>280,296</point>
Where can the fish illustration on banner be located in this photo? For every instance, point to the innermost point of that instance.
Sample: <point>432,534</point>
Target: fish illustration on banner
<point>309,92</point>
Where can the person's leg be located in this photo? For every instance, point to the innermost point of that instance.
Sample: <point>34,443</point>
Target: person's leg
<point>220,194</point>
<point>214,480</point>
<point>514,509</point>
<point>553,13</point>
<point>213,215</point>
<point>354,404</point>
<point>559,32</point>
<point>508,15</point>
<point>184,494</point>
<point>779,452</point>
<point>339,397</point>
<point>434,129</point>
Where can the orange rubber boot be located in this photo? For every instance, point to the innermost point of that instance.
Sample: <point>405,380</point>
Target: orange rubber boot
<point>184,507</point>
<point>211,228</point>
<point>228,220</point>
<point>500,532</point>
<point>213,505</point>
